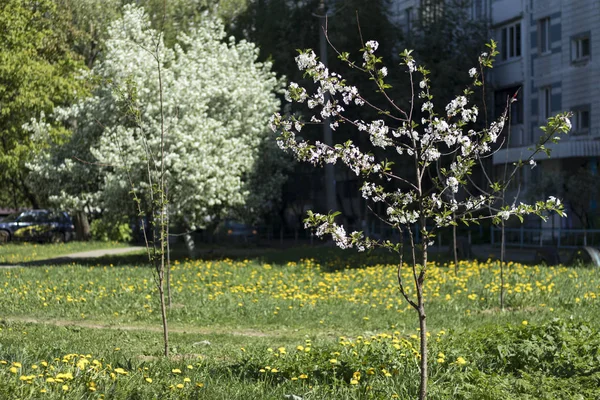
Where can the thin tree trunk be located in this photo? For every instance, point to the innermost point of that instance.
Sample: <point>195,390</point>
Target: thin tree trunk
<point>423,349</point>
<point>422,323</point>
<point>454,249</point>
<point>163,313</point>
<point>163,211</point>
<point>168,267</point>
<point>502,244</point>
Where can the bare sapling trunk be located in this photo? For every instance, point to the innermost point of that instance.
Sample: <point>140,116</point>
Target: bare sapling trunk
<point>419,306</point>
<point>163,211</point>
<point>422,327</point>
<point>454,248</point>
<point>502,255</point>
<point>168,269</point>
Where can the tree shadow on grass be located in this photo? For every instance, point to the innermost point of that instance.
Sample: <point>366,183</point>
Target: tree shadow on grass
<point>326,257</point>
<point>134,259</point>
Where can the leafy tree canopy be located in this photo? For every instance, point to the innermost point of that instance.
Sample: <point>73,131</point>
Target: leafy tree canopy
<point>38,71</point>
<point>216,100</point>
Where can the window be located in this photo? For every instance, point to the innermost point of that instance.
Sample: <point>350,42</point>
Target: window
<point>545,103</point>
<point>581,120</point>
<point>544,36</point>
<point>580,48</point>
<point>510,41</point>
<point>502,99</point>
<point>408,19</point>
<point>477,9</point>
<point>431,11</point>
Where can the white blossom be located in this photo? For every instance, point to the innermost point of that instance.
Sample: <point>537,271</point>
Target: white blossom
<point>452,183</point>
<point>306,60</point>
<point>211,152</point>
<point>504,214</point>
<point>372,46</point>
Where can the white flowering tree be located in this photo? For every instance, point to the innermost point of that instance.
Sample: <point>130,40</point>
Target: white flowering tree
<point>443,148</point>
<point>212,102</point>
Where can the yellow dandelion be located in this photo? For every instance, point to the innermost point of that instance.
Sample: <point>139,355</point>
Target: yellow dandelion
<point>149,380</point>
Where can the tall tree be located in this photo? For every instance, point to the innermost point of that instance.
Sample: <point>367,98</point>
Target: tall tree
<point>281,27</point>
<point>448,41</point>
<point>216,99</point>
<point>38,71</point>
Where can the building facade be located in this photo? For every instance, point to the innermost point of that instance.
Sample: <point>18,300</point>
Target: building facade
<point>549,53</point>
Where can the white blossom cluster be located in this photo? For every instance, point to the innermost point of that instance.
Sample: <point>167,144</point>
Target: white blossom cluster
<point>450,134</point>
<point>371,191</point>
<point>324,226</point>
<point>217,99</point>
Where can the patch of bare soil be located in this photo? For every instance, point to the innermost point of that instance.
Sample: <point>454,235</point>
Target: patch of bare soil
<point>95,325</point>
<point>496,310</point>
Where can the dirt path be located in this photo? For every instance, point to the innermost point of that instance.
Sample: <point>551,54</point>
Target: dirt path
<point>73,257</point>
<point>103,252</point>
<point>146,328</point>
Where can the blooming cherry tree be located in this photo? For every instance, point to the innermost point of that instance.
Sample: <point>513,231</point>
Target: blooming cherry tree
<point>444,149</point>
<point>216,101</point>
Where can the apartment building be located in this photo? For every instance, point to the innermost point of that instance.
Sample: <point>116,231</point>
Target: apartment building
<point>549,57</point>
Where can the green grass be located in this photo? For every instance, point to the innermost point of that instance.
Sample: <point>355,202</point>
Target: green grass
<point>261,315</point>
<point>14,253</point>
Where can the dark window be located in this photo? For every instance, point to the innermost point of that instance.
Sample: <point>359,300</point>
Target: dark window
<point>510,41</point>
<point>477,9</point>
<point>580,48</point>
<point>581,120</point>
<point>431,11</point>
<point>544,35</point>
<point>28,217</point>
<point>545,103</point>
<point>504,97</point>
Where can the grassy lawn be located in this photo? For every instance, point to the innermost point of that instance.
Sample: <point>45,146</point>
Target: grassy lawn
<point>14,253</point>
<point>329,327</point>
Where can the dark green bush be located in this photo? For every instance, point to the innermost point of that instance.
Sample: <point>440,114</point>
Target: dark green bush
<point>108,229</point>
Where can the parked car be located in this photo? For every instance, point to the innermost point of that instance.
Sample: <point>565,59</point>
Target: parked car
<point>37,225</point>
<point>236,232</point>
